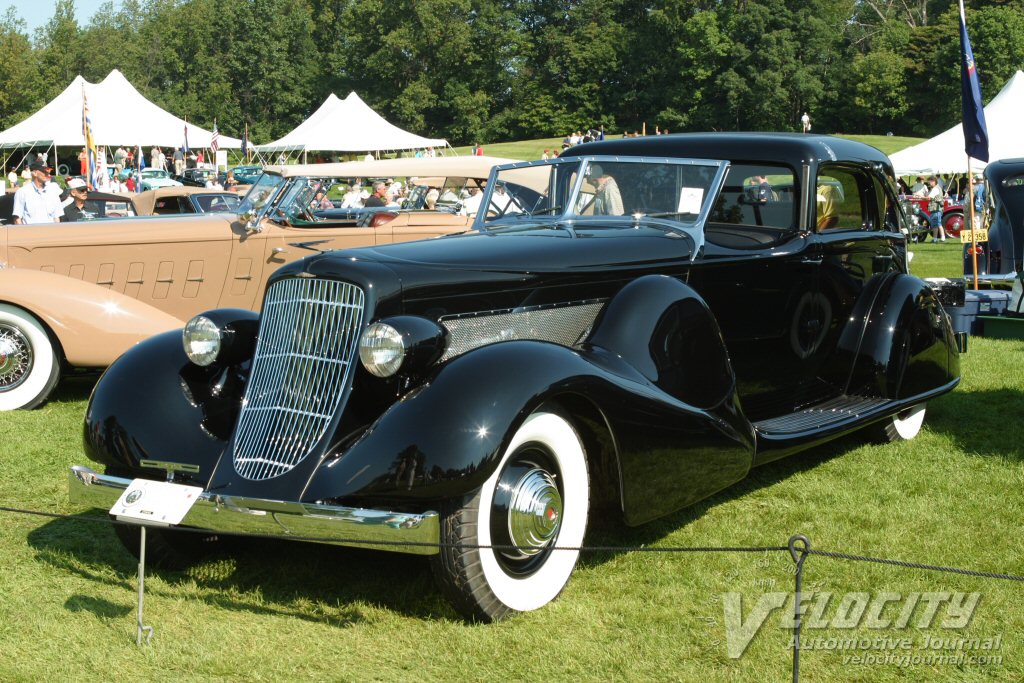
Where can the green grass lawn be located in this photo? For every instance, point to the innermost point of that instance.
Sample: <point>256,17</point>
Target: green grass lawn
<point>944,259</point>
<point>272,611</point>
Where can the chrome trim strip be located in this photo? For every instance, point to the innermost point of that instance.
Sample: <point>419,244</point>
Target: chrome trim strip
<point>331,524</point>
<point>565,324</point>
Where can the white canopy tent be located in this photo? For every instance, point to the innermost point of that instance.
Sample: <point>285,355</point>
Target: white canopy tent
<point>945,153</point>
<point>119,115</point>
<point>348,125</point>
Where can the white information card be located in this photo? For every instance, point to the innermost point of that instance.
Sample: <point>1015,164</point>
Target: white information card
<point>156,503</point>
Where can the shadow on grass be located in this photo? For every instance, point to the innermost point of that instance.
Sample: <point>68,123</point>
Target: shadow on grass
<point>261,576</point>
<point>609,530</point>
<point>278,577</point>
<point>75,388</point>
<point>278,573</point>
<point>983,422</point>
<point>98,606</point>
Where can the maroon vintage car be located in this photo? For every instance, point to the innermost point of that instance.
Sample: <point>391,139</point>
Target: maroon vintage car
<point>952,212</point>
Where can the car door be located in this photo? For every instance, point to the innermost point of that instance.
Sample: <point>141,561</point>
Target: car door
<point>174,265</point>
<point>758,274</point>
<point>255,255</point>
<point>860,239</point>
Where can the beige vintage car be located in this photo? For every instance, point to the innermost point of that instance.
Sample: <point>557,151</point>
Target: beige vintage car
<point>178,199</point>
<point>73,298</point>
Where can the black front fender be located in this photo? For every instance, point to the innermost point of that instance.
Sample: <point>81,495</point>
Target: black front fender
<point>153,404</point>
<point>445,438</point>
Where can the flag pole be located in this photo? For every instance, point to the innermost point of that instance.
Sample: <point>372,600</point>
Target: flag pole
<point>970,213</point>
<point>973,122</point>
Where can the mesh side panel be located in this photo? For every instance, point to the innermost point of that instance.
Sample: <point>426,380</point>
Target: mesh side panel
<point>308,336</point>
<point>563,324</point>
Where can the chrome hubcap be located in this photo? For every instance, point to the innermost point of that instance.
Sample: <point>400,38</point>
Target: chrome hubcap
<point>535,513</point>
<point>15,357</point>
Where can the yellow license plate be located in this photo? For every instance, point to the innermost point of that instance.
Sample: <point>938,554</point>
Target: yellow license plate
<point>978,235</point>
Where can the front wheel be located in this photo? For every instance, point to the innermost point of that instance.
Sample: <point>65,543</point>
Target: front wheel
<point>29,364</point>
<point>501,545</point>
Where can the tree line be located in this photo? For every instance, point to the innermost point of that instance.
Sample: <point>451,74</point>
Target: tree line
<point>494,70</point>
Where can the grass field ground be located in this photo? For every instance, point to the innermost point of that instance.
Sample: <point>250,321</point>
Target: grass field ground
<point>270,611</point>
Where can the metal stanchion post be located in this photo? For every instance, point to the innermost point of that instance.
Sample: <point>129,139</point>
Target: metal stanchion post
<point>799,546</point>
<point>142,584</point>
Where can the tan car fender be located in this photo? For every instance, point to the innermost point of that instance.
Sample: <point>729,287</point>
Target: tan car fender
<point>93,324</point>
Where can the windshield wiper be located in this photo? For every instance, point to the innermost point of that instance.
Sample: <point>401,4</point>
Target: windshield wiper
<point>550,209</point>
<point>665,214</point>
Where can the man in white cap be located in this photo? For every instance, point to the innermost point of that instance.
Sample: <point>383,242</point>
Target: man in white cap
<point>75,211</point>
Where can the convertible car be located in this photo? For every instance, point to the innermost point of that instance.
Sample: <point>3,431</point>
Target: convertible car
<point>628,329</point>
<point>152,178</point>
<point>74,298</point>
<point>172,201</point>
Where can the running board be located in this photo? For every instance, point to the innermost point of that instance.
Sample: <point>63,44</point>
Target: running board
<point>821,415</point>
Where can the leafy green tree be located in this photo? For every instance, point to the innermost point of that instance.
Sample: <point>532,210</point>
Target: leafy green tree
<point>879,92</point>
<point>19,88</point>
<point>60,56</point>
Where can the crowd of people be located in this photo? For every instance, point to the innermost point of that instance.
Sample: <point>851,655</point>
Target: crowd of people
<point>115,171</point>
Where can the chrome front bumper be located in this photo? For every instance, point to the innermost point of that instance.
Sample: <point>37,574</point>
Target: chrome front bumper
<point>396,531</point>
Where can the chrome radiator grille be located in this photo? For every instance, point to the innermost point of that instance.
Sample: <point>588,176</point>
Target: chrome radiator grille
<point>561,323</point>
<point>300,372</point>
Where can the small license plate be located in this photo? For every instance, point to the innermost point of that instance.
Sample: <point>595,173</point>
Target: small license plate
<point>968,236</point>
<point>156,503</point>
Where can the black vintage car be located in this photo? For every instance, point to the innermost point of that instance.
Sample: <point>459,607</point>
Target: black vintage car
<point>630,328</point>
<point>196,177</point>
<point>1001,257</point>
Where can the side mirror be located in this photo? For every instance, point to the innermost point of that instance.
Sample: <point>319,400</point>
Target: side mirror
<point>250,221</point>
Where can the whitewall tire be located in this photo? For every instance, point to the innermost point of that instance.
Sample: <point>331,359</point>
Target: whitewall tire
<point>538,501</point>
<point>902,426</point>
<point>29,364</point>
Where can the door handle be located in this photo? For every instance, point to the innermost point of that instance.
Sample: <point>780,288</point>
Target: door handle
<point>278,250</point>
<point>807,260</point>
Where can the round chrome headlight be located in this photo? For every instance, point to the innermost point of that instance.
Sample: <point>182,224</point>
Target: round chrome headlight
<point>202,340</point>
<point>381,349</point>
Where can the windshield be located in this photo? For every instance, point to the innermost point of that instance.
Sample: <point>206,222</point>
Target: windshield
<point>679,190</point>
<point>261,195</point>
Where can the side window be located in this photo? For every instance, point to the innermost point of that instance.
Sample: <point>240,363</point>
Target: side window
<point>757,195</point>
<point>841,197</point>
<point>887,205</point>
<point>166,205</point>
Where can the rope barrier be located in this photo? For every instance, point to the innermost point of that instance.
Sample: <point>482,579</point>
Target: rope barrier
<point>798,547</point>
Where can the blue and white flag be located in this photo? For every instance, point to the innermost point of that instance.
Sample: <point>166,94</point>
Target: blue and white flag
<point>975,130</point>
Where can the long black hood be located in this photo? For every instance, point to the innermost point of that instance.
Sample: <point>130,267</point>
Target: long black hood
<point>539,250</point>
<point>492,270</point>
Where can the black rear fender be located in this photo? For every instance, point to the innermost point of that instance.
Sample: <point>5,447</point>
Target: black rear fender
<point>900,340</point>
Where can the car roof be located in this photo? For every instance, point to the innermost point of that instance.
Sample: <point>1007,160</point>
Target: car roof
<point>146,200</point>
<point>463,166</point>
<point>790,148</point>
